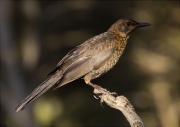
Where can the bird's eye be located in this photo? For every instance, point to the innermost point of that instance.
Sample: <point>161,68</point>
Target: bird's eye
<point>128,23</point>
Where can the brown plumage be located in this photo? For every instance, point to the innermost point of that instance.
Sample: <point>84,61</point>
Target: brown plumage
<point>89,60</point>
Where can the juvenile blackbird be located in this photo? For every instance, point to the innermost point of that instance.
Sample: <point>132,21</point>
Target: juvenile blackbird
<point>89,60</point>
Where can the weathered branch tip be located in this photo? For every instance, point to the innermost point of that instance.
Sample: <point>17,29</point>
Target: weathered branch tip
<point>120,103</point>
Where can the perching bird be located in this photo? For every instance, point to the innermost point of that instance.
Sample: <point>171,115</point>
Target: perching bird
<point>89,60</point>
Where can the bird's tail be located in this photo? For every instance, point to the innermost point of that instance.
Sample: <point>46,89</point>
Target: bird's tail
<point>42,88</point>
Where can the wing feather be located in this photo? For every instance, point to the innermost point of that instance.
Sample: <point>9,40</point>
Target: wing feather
<point>86,57</point>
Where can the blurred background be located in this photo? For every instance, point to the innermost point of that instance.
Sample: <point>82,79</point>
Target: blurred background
<point>35,35</point>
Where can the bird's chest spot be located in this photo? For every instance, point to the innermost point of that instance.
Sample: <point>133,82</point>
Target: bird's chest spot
<point>121,43</point>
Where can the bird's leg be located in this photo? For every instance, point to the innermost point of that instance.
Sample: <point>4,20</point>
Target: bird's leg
<point>102,90</point>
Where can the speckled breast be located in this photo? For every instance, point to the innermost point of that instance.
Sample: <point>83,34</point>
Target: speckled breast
<point>111,61</point>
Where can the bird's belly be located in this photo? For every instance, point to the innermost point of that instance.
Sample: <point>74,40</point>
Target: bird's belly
<point>107,65</point>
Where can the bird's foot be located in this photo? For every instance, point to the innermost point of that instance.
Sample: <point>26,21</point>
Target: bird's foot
<point>103,90</point>
<point>99,91</point>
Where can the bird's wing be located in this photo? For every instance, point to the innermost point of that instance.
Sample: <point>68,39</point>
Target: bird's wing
<point>72,55</point>
<point>86,57</point>
<point>88,47</point>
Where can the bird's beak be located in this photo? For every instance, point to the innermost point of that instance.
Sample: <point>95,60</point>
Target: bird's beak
<point>142,24</point>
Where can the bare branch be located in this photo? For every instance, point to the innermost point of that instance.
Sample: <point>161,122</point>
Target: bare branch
<point>121,103</point>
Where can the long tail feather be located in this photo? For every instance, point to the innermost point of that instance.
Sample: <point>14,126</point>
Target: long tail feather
<point>42,88</point>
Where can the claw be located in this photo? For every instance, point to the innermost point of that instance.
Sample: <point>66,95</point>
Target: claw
<point>97,96</point>
<point>101,102</point>
<point>114,93</point>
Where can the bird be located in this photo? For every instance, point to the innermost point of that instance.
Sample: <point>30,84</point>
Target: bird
<point>88,60</point>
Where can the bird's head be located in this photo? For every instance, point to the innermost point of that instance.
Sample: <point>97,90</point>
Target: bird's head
<point>124,27</point>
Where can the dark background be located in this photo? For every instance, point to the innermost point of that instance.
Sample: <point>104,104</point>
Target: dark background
<point>35,35</point>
